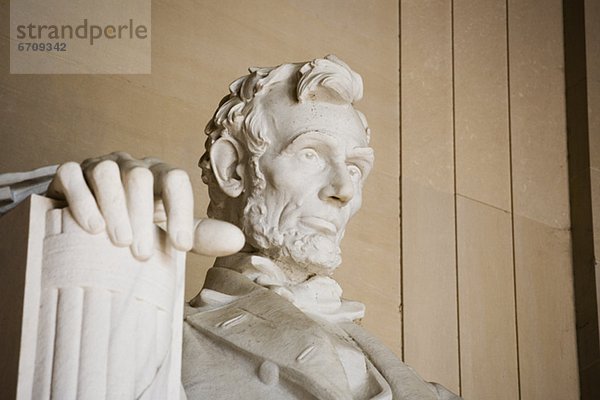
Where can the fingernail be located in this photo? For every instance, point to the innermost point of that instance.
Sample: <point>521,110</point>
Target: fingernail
<point>95,224</point>
<point>184,239</point>
<point>142,251</point>
<point>123,235</point>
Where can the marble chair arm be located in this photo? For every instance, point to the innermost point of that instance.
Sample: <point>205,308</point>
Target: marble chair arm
<point>17,186</point>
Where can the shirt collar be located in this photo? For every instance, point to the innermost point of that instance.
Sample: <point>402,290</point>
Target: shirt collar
<point>319,296</point>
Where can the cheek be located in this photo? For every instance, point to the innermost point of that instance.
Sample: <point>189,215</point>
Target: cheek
<point>282,199</point>
<point>294,172</point>
<point>284,189</point>
<point>353,208</point>
<point>356,201</point>
<point>292,183</point>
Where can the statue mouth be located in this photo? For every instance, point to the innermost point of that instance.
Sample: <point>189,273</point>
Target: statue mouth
<point>321,225</point>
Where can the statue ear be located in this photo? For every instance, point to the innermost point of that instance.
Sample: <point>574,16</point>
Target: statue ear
<point>225,161</point>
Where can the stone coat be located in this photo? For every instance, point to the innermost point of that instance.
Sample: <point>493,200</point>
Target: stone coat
<point>260,346</point>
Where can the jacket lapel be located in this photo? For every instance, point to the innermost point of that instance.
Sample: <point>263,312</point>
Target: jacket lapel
<point>403,380</point>
<point>264,325</point>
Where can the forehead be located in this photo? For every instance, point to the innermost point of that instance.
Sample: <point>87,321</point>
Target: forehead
<point>288,118</point>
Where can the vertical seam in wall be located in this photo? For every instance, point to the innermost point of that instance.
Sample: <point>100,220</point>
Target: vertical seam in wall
<point>455,202</point>
<point>512,211</point>
<point>402,330</point>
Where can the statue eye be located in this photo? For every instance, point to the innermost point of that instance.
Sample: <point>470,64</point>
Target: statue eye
<point>354,171</point>
<point>309,155</point>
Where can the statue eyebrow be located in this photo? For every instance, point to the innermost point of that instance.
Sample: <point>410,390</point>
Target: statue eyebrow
<point>307,137</point>
<point>363,157</point>
<point>363,153</point>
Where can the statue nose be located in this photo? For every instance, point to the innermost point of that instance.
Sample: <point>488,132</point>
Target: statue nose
<point>339,188</point>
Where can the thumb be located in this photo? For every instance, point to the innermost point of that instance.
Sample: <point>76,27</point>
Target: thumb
<point>217,238</point>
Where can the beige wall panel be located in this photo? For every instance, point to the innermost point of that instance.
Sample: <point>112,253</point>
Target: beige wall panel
<point>430,323</point>
<point>481,101</point>
<point>198,48</point>
<point>488,344</point>
<point>428,251</point>
<point>426,47</point>
<point>538,122</point>
<point>546,321</point>
<point>543,264</point>
<point>374,277</point>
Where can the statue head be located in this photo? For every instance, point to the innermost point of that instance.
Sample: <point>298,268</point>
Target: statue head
<point>286,158</point>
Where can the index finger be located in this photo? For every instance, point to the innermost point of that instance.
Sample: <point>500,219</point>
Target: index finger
<point>175,189</point>
<point>70,184</point>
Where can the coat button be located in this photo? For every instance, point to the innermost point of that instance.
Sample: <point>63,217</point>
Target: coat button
<point>268,373</point>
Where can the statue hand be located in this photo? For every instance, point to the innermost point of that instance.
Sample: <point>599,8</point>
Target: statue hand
<point>116,192</point>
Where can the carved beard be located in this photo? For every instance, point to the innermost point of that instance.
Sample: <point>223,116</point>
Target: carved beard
<point>280,239</point>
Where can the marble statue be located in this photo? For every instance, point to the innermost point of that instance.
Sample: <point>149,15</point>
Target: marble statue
<point>286,158</point>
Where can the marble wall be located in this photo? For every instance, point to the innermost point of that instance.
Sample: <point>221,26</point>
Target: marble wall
<point>487,271</point>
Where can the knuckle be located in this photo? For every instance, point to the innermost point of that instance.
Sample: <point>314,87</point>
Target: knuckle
<point>89,161</point>
<point>133,163</point>
<point>139,176</point>
<point>67,171</point>
<point>176,177</point>
<point>105,169</point>
<point>121,155</point>
<point>151,160</point>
